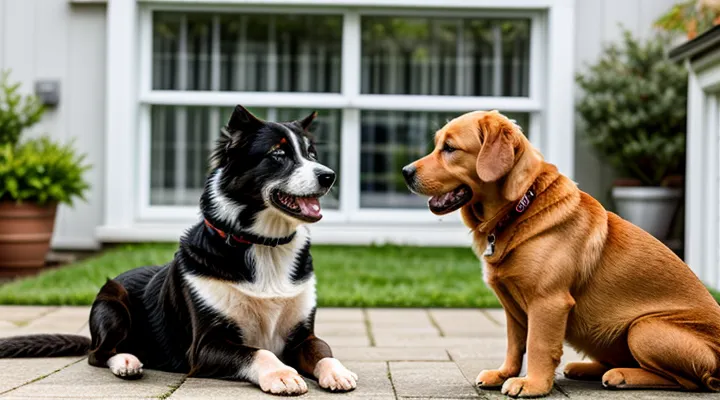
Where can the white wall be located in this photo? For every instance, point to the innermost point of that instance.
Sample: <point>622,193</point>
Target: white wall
<point>42,39</point>
<point>53,39</point>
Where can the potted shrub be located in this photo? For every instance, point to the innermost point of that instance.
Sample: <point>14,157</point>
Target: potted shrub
<point>35,176</point>
<point>634,112</point>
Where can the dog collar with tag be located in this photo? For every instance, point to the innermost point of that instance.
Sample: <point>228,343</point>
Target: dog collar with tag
<point>248,238</point>
<point>515,212</point>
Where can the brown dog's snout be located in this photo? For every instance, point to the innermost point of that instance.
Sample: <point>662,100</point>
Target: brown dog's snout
<point>409,171</point>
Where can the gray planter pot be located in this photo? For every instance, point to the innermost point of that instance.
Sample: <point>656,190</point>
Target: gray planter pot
<point>650,208</point>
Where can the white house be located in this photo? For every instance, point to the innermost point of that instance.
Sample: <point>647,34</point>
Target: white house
<point>702,222</point>
<point>145,85</point>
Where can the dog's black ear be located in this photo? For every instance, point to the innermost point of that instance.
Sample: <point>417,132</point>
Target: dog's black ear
<point>243,120</point>
<point>307,121</point>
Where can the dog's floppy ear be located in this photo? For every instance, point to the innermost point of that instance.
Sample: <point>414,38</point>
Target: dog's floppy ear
<point>307,121</point>
<point>523,174</point>
<point>243,120</point>
<point>497,155</point>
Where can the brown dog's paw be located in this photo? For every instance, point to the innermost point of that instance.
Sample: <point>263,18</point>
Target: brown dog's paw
<point>526,388</point>
<point>490,378</point>
<point>589,371</point>
<point>613,379</point>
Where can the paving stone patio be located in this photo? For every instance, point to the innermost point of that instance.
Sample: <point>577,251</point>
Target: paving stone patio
<point>398,354</point>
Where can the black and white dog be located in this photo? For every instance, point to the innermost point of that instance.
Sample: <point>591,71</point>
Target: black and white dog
<point>238,299</point>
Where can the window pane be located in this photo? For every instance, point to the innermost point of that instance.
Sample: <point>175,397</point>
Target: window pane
<point>391,140</point>
<point>182,138</point>
<point>441,56</point>
<point>247,52</point>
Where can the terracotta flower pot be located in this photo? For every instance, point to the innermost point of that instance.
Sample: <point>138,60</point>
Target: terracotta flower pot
<point>25,233</point>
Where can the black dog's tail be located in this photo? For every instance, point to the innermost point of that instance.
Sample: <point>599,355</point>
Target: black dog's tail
<point>46,345</point>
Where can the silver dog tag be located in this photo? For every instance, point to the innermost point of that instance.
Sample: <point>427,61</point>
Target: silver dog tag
<point>490,249</point>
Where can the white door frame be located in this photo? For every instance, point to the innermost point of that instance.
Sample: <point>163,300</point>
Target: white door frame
<point>702,203</point>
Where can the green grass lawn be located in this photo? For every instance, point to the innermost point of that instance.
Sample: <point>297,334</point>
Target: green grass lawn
<point>347,276</point>
<point>387,276</point>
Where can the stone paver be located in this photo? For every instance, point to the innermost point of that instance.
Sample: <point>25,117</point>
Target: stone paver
<point>336,341</point>
<point>374,385</point>
<point>423,332</point>
<point>391,353</point>
<point>340,315</point>
<point>23,314</point>
<point>14,373</point>
<point>196,388</point>
<point>428,379</point>
<point>466,323</point>
<point>81,380</point>
<point>341,328</point>
<point>56,319</point>
<point>496,315</point>
<point>398,354</point>
<point>395,318</point>
<point>399,340</point>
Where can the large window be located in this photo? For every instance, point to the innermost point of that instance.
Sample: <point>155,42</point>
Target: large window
<point>383,83</point>
<point>246,52</point>
<point>445,56</point>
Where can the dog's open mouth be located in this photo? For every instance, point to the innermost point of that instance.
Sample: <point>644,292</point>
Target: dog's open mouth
<point>450,201</point>
<point>306,208</point>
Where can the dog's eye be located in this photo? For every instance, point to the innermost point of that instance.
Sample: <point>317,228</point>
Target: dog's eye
<point>312,153</point>
<point>447,148</point>
<point>278,153</point>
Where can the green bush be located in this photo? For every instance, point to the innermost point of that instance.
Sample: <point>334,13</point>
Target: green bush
<point>37,170</point>
<point>41,171</point>
<point>634,109</point>
<point>17,112</point>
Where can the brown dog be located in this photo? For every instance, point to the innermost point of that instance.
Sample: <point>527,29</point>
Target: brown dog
<point>566,269</point>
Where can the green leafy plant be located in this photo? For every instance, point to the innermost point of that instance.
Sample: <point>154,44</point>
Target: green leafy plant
<point>37,170</point>
<point>42,171</point>
<point>17,112</point>
<point>689,18</point>
<point>634,109</point>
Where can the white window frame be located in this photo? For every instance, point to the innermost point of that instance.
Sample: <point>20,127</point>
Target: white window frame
<point>129,96</point>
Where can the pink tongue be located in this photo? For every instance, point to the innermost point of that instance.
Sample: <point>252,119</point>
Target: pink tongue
<point>309,206</point>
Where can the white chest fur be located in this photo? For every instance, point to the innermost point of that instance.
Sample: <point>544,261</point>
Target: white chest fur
<point>273,268</point>
<point>267,309</point>
<point>265,322</point>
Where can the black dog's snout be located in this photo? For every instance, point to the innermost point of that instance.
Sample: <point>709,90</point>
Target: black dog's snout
<point>409,173</point>
<point>326,179</point>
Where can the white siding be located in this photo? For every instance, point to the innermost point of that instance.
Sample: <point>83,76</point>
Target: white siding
<point>42,39</point>
<point>703,173</point>
<point>53,39</point>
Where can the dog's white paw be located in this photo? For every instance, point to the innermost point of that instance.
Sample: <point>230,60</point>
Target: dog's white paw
<point>125,366</point>
<point>284,381</point>
<point>332,375</point>
<point>275,377</point>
